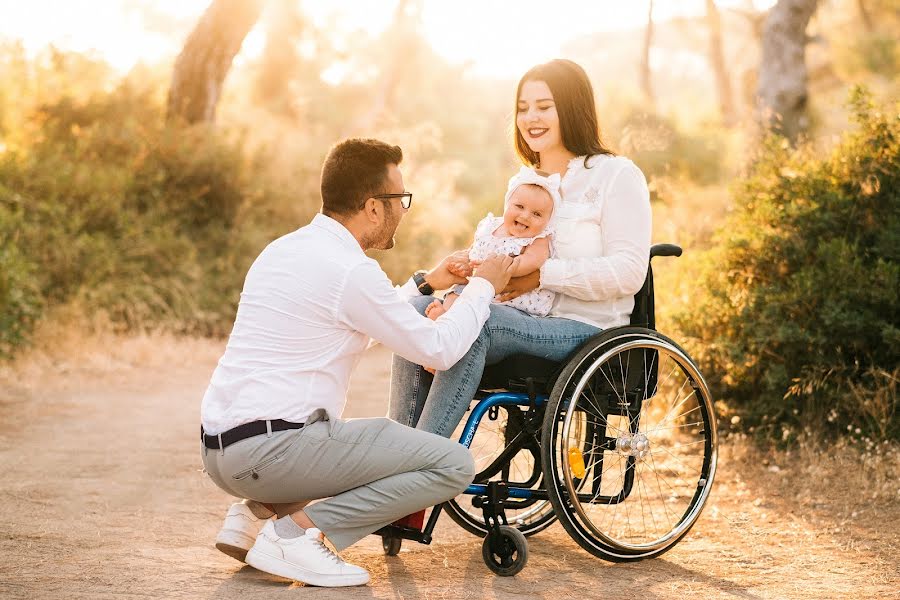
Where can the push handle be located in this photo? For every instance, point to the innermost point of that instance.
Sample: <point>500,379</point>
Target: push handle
<point>665,250</point>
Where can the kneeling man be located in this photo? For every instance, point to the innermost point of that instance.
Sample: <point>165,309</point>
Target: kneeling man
<point>271,432</point>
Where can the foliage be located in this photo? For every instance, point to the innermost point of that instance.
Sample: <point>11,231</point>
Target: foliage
<point>126,217</point>
<point>796,312</point>
<point>20,302</point>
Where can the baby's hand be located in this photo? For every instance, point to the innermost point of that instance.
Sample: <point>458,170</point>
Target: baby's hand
<point>462,268</point>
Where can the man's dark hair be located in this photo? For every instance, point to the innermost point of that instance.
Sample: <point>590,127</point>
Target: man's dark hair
<point>354,171</point>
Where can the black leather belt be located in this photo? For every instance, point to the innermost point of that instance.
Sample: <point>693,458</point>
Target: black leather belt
<point>242,432</point>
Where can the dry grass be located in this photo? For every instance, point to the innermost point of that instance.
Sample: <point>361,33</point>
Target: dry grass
<point>850,485</point>
<point>67,347</point>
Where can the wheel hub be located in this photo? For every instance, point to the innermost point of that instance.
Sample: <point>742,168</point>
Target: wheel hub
<point>636,445</point>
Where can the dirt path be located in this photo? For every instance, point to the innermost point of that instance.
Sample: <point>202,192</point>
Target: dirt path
<point>102,496</point>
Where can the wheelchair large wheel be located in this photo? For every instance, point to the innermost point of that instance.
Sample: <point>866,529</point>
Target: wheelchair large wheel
<point>629,445</point>
<point>501,428</point>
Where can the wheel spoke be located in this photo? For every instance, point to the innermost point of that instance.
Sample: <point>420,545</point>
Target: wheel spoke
<point>663,444</point>
<point>491,440</point>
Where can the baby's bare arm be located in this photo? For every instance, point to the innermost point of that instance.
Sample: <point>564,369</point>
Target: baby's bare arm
<point>532,258</point>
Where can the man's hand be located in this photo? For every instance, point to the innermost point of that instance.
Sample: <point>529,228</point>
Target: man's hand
<point>520,285</point>
<point>442,276</point>
<point>496,269</point>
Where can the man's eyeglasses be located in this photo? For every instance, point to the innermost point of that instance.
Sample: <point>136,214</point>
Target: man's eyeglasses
<point>405,198</point>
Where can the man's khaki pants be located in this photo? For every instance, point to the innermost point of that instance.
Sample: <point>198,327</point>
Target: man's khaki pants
<point>371,472</point>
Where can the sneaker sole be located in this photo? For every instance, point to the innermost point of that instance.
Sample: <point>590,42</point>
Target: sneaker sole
<point>234,543</point>
<point>282,568</point>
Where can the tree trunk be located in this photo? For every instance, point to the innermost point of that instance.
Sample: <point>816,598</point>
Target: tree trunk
<point>864,14</point>
<point>402,32</point>
<point>280,62</point>
<point>646,80</point>
<point>204,61</point>
<point>781,92</point>
<point>717,61</point>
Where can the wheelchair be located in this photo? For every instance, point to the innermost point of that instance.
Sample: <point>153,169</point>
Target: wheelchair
<point>618,444</point>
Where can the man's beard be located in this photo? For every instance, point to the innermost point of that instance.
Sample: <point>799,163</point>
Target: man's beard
<point>383,239</point>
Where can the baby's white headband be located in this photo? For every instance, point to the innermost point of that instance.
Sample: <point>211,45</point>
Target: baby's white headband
<point>527,176</point>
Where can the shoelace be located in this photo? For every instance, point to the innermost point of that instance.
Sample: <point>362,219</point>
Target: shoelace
<point>316,537</point>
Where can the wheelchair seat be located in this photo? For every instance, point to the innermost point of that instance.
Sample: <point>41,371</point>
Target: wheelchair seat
<point>513,372</point>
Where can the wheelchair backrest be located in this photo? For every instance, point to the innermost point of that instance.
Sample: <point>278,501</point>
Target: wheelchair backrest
<point>644,313</point>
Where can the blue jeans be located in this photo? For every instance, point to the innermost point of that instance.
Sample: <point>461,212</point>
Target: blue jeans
<point>437,403</point>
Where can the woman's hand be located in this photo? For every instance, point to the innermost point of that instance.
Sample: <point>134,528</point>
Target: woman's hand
<point>520,285</point>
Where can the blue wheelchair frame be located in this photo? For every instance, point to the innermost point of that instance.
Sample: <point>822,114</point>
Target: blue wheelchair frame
<point>478,412</point>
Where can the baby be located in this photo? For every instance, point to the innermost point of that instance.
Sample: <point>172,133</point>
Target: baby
<point>524,231</point>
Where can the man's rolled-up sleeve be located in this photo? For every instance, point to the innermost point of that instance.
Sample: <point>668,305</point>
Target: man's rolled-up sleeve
<point>371,305</point>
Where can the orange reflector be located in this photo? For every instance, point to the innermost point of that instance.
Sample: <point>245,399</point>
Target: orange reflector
<point>576,462</point>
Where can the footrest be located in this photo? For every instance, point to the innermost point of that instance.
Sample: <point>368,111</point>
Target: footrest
<point>404,533</point>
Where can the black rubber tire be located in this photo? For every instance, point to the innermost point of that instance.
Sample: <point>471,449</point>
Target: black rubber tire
<point>599,345</point>
<point>391,545</point>
<point>505,553</point>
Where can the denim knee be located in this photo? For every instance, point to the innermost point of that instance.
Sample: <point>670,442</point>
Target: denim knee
<point>420,303</point>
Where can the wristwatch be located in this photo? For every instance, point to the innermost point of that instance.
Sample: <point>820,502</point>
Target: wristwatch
<point>423,286</point>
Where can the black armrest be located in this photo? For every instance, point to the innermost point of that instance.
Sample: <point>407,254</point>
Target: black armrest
<point>665,250</point>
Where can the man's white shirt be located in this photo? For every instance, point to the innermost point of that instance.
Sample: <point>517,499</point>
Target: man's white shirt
<point>310,304</point>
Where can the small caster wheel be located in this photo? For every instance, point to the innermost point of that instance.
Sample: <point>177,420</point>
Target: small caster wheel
<point>505,552</point>
<point>391,545</point>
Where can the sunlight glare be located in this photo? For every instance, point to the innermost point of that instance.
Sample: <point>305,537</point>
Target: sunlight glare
<point>491,38</point>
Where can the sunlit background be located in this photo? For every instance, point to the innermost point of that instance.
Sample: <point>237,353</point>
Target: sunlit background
<point>495,38</point>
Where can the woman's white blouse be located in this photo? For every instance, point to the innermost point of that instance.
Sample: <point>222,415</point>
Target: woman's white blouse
<point>602,241</point>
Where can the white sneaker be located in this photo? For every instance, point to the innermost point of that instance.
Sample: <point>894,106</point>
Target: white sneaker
<point>305,558</point>
<point>239,531</point>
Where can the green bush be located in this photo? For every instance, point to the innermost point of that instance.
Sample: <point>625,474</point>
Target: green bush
<point>20,301</point>
<point>124,216</point>
<point>796,315</point>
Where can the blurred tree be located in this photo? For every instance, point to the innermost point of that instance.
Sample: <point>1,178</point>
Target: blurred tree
<point>781,92</point>
<point>405,34</point>
<point>646,81</point>
<point>864,15</point>
<point>280,60</point>
<point>204,61</point>
<point>717,61</point>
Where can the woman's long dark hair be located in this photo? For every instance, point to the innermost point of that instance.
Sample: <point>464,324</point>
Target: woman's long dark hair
<point>574,99</point>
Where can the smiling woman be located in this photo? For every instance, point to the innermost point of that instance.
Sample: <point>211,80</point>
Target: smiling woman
<point>546,120</point>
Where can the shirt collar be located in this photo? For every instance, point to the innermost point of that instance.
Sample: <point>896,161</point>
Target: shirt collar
<point>336,229</point>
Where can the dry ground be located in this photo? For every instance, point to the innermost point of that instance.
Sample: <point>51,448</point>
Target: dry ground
<point>101,495</point>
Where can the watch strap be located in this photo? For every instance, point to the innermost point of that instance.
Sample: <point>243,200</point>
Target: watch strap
<point>423,286</point>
